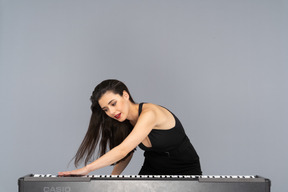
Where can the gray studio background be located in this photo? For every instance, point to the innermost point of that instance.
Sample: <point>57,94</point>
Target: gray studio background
<point>220,66</point>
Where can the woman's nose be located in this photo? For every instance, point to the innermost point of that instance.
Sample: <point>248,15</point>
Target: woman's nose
<point>112,111</point>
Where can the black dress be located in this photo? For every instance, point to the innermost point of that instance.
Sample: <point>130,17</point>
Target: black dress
<point>171,153</point>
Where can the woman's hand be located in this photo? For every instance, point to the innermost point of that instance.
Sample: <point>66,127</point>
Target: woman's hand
<point>80,172</point>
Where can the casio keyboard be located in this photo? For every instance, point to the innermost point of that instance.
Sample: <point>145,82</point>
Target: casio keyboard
<point>143,183</point>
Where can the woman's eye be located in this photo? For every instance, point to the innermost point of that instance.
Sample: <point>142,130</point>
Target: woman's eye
<point>113,104</point>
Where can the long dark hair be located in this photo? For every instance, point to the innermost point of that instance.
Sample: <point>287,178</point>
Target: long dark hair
<point>109,131</point>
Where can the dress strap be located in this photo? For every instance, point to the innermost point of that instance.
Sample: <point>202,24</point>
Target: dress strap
<point>140,108</point>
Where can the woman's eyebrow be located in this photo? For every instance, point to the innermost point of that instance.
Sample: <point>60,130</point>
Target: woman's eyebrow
<point>111,101</point>
<point>108,103</point>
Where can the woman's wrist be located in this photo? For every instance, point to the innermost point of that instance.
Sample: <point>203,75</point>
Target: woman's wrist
<point>88,168</point>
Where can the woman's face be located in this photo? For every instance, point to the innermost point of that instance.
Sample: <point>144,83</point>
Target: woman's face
<point>115,105</point>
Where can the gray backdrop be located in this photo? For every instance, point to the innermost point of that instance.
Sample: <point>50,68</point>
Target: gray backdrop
<point>220,66</point>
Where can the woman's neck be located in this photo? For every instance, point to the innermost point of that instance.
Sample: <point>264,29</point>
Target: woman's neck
<point>133,113</point>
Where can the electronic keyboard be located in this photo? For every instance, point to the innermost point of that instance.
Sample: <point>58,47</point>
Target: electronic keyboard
<point>143,183</point>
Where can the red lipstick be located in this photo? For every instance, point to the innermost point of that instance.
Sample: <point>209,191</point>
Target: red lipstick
<point>118,116</point>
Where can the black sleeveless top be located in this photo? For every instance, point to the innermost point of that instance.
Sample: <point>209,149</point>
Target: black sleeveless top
<point>171,152</point>
<point>165,140</point>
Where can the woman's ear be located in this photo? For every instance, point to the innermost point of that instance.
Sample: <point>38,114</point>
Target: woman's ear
<point>126,95</point>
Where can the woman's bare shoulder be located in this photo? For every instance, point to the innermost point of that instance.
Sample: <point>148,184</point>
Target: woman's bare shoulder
<point>151,107</point>
<point>162,116</point>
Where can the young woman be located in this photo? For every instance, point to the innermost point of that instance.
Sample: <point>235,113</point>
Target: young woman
<point>121,124</point>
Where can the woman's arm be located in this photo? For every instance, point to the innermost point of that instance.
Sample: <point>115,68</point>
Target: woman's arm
<point>119,167</point>
<point>146,122</point>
